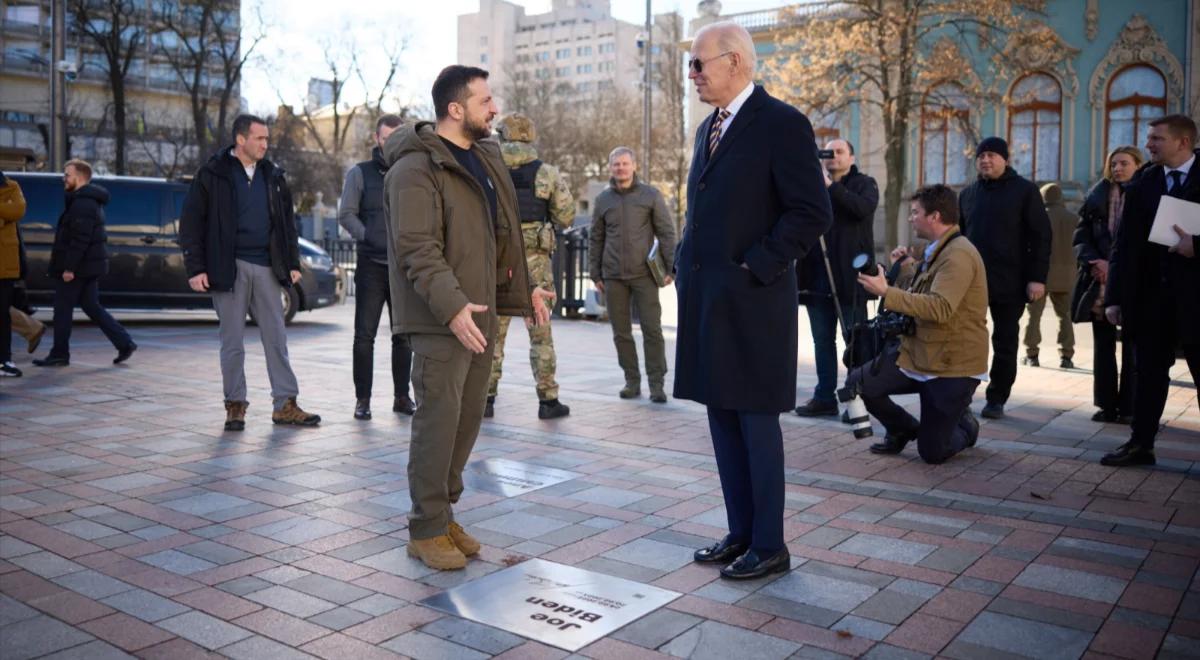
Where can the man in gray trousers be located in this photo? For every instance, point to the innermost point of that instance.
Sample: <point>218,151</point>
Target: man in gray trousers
<point>239,241</point>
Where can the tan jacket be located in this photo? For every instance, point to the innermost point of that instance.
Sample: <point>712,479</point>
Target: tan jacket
<point>950,302</point>
<point>1063,266</point>
<point>443,250</point>
<point>12,209</point>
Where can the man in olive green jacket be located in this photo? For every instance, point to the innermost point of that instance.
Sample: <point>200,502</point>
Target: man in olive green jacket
<point>946,357</point>
<point>455,261</point>
<point>627,218</point>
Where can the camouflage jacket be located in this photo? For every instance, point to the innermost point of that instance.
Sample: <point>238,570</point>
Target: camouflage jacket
<point>549,184</point>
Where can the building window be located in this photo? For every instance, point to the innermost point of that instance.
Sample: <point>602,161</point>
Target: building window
<point>944,115</point>
<point>1136,95</point>
<point>1035,127</point>
<point>562,53</point>
<point>562,71</point>
<point>483,58</point>
<point>483,40</point>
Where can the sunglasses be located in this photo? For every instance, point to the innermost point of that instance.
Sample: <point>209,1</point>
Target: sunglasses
<point>697,64</point>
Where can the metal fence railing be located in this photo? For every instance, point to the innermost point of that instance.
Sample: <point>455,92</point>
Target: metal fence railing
<point>571,271</point>
<point>344,253</point>
<point>571,278</point>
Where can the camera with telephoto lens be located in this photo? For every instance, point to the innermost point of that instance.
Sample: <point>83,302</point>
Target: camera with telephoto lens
<point>856,411</point>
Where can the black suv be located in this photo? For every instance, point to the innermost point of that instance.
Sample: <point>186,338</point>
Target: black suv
<point>146,269</point>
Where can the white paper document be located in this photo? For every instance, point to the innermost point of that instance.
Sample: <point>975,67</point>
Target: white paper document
<point>1174,211</point>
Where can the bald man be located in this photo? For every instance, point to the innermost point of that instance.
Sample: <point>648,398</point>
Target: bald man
<point>854,196</point>
<point>756,203</point>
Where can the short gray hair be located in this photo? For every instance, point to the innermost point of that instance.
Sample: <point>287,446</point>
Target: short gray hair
<point>732,37</point>
<point>621,151</point>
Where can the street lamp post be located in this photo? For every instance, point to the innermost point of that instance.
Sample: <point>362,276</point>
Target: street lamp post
<point>58,88</point>
<point>646,93</point>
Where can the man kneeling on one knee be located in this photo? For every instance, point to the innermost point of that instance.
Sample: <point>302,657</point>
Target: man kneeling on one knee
<point>946,356</point>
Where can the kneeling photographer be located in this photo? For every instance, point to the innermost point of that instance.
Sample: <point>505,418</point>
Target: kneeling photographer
<point>944,356</point>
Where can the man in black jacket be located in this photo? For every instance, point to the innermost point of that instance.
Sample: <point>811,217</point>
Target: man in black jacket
<point>361,213</point>
<point>1153,290</point>
<point>854,196</point>
<point>77,260</point>
<point>239,241</point>
<point>1003,216</point>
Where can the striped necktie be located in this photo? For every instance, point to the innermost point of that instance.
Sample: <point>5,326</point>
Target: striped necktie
<point>714,132</point>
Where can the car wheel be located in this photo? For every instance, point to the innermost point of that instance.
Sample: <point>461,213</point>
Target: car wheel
<point>290,300</point>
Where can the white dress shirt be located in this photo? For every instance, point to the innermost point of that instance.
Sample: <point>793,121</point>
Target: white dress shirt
<point>735,105</point>
<point>1185,168</point>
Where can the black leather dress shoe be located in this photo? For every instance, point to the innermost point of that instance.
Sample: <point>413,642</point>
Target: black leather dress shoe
<point>893,443</point>
<point>403,404</point>
<point>750,565</point>
<point>992,411</point>
<point>362,409</point>
<point>814,408</point>
<point>1127,455</point>
<point>722,552</point>
<point>971,426</point>
<point>124,353</point>
<point>51,361</point>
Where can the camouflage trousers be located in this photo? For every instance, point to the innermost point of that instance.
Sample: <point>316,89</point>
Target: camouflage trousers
<point>542,360</point>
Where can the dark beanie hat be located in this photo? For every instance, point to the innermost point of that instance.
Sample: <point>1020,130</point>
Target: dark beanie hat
<point>993,144</point>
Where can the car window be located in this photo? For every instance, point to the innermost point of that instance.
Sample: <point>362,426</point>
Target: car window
<point>132,207</point>
<point>174,210</point>
<point>43,200</point>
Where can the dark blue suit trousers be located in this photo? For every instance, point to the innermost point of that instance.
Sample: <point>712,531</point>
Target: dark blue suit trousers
<point>749,452</point>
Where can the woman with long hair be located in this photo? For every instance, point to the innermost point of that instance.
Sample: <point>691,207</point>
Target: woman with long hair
<point>1094,235</point>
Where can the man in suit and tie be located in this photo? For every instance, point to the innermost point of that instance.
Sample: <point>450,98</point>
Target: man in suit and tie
<point>756,203</point>
<point>1153,291</point>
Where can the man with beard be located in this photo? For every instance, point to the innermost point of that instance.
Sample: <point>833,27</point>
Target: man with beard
<point>77,260</point>
<point>361,213</point>
<point>456,259</point>
<point>239,241</point>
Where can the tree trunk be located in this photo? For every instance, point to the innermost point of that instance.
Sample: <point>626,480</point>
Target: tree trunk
<point>893,159</point>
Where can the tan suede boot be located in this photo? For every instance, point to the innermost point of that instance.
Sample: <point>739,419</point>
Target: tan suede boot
<point>291,413</point>
<point>465,542</point>
<point>438,552</point>
<point>235,415</point>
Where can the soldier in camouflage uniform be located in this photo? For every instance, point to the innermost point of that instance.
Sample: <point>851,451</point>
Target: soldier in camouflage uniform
<point>544,200</point>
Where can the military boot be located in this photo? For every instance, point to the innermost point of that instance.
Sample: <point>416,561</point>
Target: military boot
<point>438,552</point>
<point>292,414</point>
<point>235,415</point>
<point>552,409</point>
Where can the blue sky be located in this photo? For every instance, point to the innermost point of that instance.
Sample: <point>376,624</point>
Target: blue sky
<point>298,29</point>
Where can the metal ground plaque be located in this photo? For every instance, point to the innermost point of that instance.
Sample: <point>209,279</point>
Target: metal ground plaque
<point>558,605</point>
<point>507,478</point>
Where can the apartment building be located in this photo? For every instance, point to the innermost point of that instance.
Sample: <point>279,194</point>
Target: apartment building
<point>578,45</point>
<point>158,108</point>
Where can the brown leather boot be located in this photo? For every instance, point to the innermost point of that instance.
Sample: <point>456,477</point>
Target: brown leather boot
<point>235,415</point>
<point>464,541</point>
<point>438,552</point>
<point>292,414</point>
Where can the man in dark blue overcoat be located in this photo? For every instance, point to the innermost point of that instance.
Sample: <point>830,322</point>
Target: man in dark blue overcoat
<point>756,204</point>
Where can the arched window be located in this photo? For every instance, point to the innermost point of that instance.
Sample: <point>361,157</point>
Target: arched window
<point>1137,94</point>
<point>944,115</point>
<point>1035,127</point>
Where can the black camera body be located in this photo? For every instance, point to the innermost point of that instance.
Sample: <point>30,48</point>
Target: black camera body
<point>825,154</point>
<point>893,324</point>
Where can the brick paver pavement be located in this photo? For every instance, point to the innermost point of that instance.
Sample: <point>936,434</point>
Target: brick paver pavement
<point>130,524</point>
